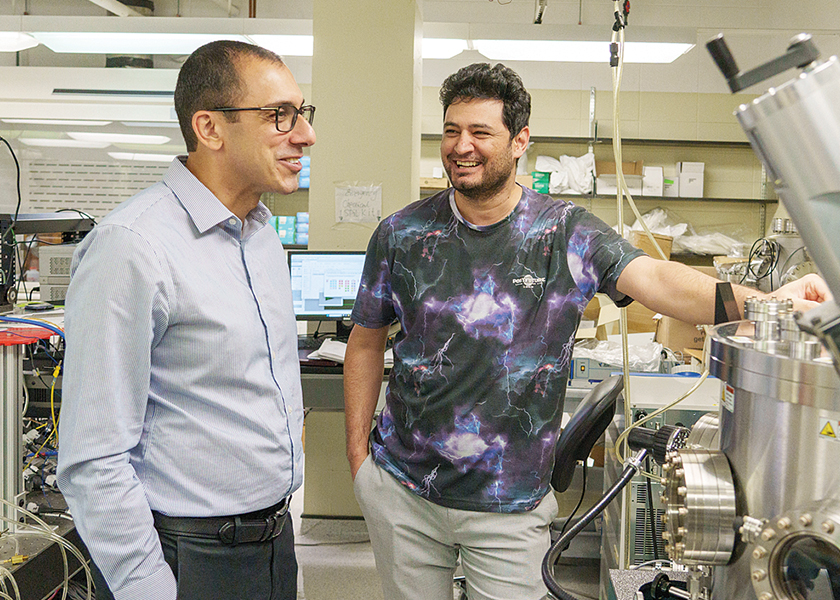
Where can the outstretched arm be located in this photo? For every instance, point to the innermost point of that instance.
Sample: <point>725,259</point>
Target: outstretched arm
<point>678,291</point>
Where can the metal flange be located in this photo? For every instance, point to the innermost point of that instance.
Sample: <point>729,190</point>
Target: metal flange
<point>699,501</point>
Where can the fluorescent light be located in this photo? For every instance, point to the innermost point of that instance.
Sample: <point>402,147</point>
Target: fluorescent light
<point>57,122</point>
<point>142,157</point>
<point>654,52</point>
<point>150,124</point>
<point>100,42</point>
<point>119,138</point>
<point>285,45</point>
<point>62,143</point>
<point>15,41</point>
<point>579,51</point>
<point>443,47</point>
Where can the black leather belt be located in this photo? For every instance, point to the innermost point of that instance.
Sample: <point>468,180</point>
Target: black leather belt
<point>258,526</point>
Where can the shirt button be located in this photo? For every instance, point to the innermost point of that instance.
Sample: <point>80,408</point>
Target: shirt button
<point>232,221</point>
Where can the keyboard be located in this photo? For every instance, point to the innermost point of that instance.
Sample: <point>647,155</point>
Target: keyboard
<point>307,342</point>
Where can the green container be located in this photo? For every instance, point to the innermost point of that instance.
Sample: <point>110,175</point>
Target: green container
<point>540,181</point>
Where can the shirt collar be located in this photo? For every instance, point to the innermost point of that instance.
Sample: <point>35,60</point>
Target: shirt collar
<point>454,206</point>
<point>203,207</point>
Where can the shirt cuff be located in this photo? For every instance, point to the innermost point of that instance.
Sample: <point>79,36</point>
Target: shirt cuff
<point>160,585</point>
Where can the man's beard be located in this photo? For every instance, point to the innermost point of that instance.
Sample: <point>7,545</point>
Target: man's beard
<point>495,179</point>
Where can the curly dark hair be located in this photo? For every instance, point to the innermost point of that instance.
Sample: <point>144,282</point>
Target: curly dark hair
<point>210,79</point>
<point>480,80</point>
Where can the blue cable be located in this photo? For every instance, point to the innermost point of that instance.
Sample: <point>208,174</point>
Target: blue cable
<point>46,453</point>
<point>49,326</point>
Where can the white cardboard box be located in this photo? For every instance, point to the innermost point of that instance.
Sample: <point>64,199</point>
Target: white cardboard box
<point>691,179</point>
<point>652,182</point>
<point>607,185</point>
<point>671,186</point>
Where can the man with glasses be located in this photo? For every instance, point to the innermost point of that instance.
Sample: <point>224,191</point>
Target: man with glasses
<point>182,416</point>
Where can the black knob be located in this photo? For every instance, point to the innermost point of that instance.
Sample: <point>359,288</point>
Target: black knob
<point>722,56</point>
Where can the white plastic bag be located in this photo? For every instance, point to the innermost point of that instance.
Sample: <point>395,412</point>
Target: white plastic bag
<point>644,358</point>
<point>569,174</point>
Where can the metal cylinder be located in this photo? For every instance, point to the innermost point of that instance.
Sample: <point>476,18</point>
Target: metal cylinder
<point>11,425</point>
<point>794,130</point>
<point>773,416</point>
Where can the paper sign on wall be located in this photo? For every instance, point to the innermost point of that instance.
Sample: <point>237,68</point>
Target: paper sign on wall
<point>358,204</point>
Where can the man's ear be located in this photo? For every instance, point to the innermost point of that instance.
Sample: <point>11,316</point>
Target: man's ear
<point>205,125</point>
<point>520,142</point>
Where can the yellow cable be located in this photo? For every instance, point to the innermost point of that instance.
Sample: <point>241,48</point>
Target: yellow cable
<point>54,432</point>
<point>56,371</point>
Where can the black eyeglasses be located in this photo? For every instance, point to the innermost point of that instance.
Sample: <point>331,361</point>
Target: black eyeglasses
<point>285,115</point>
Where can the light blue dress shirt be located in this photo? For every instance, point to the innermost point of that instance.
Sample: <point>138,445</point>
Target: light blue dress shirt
<point>182,383</point>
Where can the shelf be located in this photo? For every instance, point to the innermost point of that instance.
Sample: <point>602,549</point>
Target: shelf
<point>436,184</point>
<point>550,139</point>
<point>665,198</point>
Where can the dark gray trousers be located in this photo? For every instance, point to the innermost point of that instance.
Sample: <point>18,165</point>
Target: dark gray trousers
<point>210,570</point>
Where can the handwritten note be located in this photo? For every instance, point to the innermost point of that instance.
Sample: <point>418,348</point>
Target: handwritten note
<point>358,204</point>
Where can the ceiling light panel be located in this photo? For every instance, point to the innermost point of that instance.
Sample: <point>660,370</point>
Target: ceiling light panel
<point>14,41</point>
<point>61,143</point>
<point>142,157</point>
<point>99,42</point>
<point>578,51</point>
<point>70,122</point>
<point>119,138</point>
<point>285,45</point>
<point>443,48</point>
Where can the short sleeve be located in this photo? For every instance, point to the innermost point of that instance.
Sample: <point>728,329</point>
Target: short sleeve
<point>374,306</point>
<point>597,255</point>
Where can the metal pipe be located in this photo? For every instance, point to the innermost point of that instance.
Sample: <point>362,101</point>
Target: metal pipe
<point>11,425</point>
<point>116,7</point>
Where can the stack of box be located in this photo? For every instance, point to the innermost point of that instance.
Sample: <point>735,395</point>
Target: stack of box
<point>55,271</point>
<point>285,228</point>
<point>302,228</point>
<point>303,178</point>
<point>540,181</point>
<point>606,182</point>
<point>690,175</point>
<point>653,181</point>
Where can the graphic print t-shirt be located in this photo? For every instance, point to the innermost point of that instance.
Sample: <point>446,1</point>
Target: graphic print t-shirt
<point>488,314</point>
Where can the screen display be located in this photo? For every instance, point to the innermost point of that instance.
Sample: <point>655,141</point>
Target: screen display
<point>324,284</point>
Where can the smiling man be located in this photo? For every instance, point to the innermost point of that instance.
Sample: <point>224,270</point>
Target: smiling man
<point>488,281</point>
<point>182,415</point>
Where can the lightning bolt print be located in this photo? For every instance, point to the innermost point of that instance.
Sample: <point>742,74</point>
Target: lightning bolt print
<point>487,321</point>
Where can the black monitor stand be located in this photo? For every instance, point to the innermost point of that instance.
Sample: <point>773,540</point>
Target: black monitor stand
<point>342,330</point>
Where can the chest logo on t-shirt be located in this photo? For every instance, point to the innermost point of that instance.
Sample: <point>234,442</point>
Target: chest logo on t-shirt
<point>529,281</point>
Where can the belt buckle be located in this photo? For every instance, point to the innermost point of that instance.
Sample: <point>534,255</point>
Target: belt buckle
<point>227,532</point>
<point>274,523</point>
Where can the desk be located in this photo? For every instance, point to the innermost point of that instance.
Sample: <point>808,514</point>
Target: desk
<point>328,490</point>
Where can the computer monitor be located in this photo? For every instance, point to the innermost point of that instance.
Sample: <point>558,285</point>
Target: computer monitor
<point>324,283</point>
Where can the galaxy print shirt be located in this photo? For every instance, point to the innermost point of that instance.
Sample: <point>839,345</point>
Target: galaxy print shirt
<point>488,314</point>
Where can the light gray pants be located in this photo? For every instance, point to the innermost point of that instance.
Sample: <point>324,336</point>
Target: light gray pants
<point>416,543</point>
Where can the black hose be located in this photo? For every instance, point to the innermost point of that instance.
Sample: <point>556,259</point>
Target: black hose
<point>651,511</point>
<point>564,540</point>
